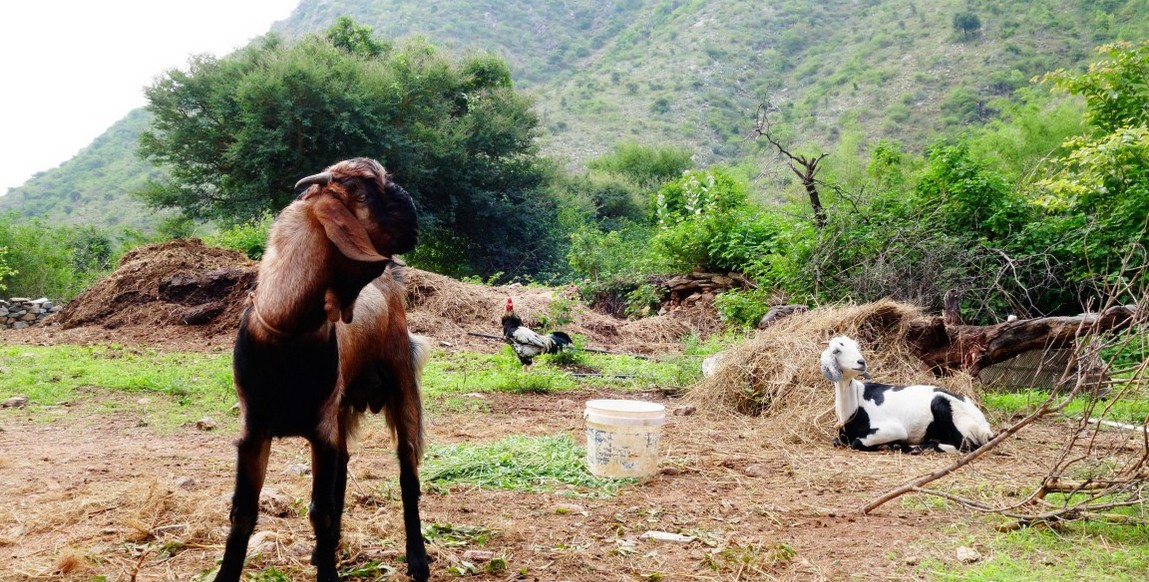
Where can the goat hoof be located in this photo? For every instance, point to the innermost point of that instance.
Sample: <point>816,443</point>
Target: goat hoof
<point>419,571</point>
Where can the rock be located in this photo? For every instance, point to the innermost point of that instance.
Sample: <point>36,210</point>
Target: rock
<point>665,536</point>
<point>18,401</point>
<point>478,556</point>
<point>205,424</point>
<point>186,483</point>
<point>671,471</point>
<point>968,555</point>
<point>569,508</point>
<point>912,560</point>
<point>263,542</point>
<point>758,470</point>
<point>202,314</point>
<point>274,502</point>
<point>684,411</point>
<point>779,312</point>
<point>298,470</point>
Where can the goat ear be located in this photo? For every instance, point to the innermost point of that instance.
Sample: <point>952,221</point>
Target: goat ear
<point>830,367</point>
<point>344,230</point>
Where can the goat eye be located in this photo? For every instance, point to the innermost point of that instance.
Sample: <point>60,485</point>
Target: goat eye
<point>837,351</point>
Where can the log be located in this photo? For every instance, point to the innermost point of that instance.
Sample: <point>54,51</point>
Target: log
<point>949,348</point>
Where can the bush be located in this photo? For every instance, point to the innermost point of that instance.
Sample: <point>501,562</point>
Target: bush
<point>249,237</point>
<point>52,262</point>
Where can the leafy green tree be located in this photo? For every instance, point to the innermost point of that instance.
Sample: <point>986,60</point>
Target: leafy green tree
<point>967,24</point>
<point>1116,88</point>
<point>5,270</point>
<point>1095,198</point>
<point>963,197</point>
<point>236,133</point>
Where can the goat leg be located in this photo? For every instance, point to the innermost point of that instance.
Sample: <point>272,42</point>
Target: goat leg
<point>418,567</point>
<point>251,467</point>
<point>329,483</point>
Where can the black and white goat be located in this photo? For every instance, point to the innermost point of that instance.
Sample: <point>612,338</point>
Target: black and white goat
<point>323,339</point>
<point>906,418</point>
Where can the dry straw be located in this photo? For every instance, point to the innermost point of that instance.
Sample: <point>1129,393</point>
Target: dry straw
<point>776,374</point>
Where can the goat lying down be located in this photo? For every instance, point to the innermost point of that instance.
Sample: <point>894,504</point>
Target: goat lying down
<point>323,339</point>
<point>906,418</point>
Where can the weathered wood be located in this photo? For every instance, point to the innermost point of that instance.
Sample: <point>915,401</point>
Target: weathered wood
<point>947,348</point>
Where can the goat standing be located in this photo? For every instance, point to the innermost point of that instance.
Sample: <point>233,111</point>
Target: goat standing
<point>323,339</point>
<point>908,418</point>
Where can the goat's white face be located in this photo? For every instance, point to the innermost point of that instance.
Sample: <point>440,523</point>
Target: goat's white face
<point>842,358</point>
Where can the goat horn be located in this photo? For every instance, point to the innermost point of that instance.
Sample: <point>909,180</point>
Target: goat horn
<point>322,178</point>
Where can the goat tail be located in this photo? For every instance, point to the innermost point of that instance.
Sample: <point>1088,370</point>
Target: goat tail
<point>420,352</point>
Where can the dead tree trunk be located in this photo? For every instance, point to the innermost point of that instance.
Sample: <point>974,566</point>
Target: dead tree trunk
<point>807,175</point>
<point>947,348</point>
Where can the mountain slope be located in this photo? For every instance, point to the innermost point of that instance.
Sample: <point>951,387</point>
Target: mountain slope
<point>692,72</point>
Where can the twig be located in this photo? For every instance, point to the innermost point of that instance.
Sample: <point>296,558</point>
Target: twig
<point>590,375</point>
<point>1117,424</point>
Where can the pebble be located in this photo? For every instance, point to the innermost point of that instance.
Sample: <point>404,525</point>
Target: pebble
<point>18,401</point>
<point>968,555</point>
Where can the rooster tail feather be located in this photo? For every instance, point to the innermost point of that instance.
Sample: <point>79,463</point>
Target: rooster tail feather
<point>561,339</point>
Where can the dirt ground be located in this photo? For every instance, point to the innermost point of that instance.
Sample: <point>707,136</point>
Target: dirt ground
<point>86,493</point>
<point>89,494</point>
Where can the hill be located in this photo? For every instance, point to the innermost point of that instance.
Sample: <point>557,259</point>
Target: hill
<point>693,73</point>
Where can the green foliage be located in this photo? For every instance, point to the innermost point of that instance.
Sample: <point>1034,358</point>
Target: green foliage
<point>712,191</point>
<point>356,39</point>
<point>249,237</point>
<point>455,134</point>
<point>966,24</point>
<point>1115,88</point>
<point>57,263</point>
<point>743,308</point>
<point>959,195</point>
<point>646,166</point>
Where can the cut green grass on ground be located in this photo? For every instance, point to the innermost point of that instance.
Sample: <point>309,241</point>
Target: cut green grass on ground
<point>519,463</point>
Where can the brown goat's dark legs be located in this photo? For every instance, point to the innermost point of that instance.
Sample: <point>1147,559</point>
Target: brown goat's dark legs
<point>251,466</point>
<point>417,566</point>
<point>329,484</point>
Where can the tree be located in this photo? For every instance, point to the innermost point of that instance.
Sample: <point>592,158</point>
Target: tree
<point>236,133</point>
<point>808,175</point>
<point>1096,196</point>
<point>967,24</point>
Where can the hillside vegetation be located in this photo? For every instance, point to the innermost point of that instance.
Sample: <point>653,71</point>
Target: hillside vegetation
<point>686,73</point>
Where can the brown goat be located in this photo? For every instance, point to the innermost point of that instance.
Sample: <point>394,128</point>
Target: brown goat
<point>323,339</point>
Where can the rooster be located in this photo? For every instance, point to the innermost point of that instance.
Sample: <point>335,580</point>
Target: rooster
<point>525,341</point>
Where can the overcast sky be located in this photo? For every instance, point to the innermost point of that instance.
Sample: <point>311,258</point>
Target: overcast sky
<point>71,68</point>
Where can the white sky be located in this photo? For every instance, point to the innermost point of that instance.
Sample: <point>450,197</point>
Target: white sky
<point>71,68</point>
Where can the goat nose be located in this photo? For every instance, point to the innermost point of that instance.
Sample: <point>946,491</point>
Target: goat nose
<point>862,363</point>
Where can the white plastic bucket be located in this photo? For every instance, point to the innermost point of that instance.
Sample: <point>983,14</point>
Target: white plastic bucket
<point>622,437</point>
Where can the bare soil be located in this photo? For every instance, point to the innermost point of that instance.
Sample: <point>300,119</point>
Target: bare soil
<point>85,492</point>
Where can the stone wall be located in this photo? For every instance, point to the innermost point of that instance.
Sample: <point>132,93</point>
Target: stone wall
<point>19,312</point>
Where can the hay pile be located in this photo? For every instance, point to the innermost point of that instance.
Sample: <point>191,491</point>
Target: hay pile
<point>447,310</point>
<point>776,375</point>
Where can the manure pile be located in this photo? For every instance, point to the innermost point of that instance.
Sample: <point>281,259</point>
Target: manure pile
<point>187,295</point>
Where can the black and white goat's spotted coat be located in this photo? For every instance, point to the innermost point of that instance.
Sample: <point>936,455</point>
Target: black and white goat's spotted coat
<point>872,416</point>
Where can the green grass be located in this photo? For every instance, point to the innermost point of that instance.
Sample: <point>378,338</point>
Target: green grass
<point>1089,550</point>
<point>518,463</point>
<point>1129,407</point>
<point>193,383</point>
